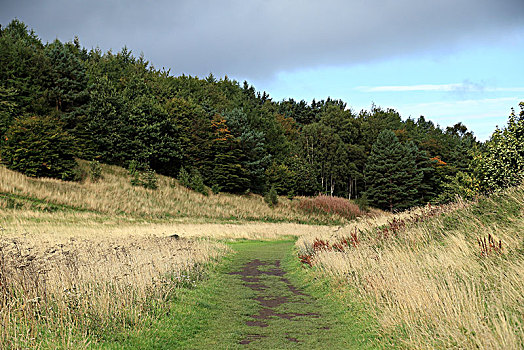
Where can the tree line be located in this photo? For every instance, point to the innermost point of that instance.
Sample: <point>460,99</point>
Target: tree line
<point>60,101</point>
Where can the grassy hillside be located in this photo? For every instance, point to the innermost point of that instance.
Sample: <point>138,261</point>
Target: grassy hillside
<point>446,277</point>
<point>114,196</point>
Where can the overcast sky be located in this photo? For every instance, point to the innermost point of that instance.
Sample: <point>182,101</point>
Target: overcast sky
<point>450,60</point>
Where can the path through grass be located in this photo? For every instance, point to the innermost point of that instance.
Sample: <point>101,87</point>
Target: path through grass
<point>257,299</point>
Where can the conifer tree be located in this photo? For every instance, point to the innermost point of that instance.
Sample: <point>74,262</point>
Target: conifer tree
<point>39,147</point>
<point>68,78</point>
<point>228,172</point>
<point>391,175</point>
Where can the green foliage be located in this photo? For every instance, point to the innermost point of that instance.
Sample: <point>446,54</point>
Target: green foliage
<point>504,157</point>
<point>228,172</point>
<point>134,172</point>
<point>118,108</point>
<point>184,178</point>
<point>7,110</point>
<point>24,68</point>
<point>68,77</point>
<point>193,181</point>
<point>95,171</point>
<point>149,179</point>
<point>391,173</point>
<point>281,178</point>
<point>252,142</point>
<point>271,197</point>
<point>215,189</point>
<point>142,175</point>
<point>39,147</point>
<point>197,183</point>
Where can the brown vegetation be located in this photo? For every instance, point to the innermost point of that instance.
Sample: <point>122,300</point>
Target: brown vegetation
<point>332,205</point>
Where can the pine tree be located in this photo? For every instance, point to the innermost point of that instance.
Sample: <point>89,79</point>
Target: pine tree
<point>7,110</point>
<point>391,175</point>
<point>252,144</point>
<point>39,147</point>
<point>228,172</point>
<point>68,78</point>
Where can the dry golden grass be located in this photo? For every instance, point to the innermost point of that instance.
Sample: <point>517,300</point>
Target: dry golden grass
<point>60,226</point>
<point>114,195</point>
<point>432,283</point>
<point>54,290</point>
<point>78,258</point>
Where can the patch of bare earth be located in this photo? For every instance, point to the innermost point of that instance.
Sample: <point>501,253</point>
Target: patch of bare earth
<point>272,300</point>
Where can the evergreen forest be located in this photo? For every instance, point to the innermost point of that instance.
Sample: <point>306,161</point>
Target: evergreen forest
<point>60,102</point>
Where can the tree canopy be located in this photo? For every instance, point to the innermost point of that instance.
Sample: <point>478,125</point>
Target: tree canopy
<point>117,108</point>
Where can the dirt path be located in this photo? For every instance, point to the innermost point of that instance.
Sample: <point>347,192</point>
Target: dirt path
<point>278,299</point>
<point>260,305</point>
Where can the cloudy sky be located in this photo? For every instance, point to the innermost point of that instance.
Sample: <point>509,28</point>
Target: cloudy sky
<point>449,60</point>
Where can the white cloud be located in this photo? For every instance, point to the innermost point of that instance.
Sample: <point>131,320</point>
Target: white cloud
<point>464,87</point>
<point>481,115</point>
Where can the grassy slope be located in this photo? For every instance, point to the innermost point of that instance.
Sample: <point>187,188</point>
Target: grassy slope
<point>115,196</point>
<point>432,283</point>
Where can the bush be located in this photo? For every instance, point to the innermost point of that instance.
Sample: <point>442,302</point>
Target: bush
<point>149,179</point>
<point>197,183</point>
<point>215,189</point>
<point>142,175</point>
<point>79,173</point>
<point>39,147</point>
<point>193,181</point>
<point>95,170</point>
<point>330,205</point>
<point>134,172</point>
<point>362,202</point>
<point>184,177</point>
<point>271,197</point>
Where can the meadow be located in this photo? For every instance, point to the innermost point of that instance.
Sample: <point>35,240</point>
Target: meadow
<point>84,264</point>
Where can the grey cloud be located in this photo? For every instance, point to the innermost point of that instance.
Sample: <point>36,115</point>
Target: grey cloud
<point>256,39</point>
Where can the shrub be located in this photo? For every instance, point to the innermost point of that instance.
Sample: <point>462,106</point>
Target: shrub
<point>183,177</point>
<point>79,173</point>
<point>193,181</point>
<point>149,179</point>
<point>330,205</point>
<point>142,175</point>
<point>39,147</point>
<point>215,189</point>
<point>197,183</point>
<point>362,202</point>
<point>134,172</point>
<point>95,170</point>
<point>271,197</point>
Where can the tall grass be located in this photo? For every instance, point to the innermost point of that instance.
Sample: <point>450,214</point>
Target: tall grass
<point>429,280</point>
<point>114,195</point>
<point>66,294</point>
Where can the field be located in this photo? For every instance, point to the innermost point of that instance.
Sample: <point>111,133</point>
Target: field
<point>105,265</point>
<point>68,251</point>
